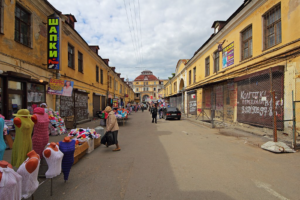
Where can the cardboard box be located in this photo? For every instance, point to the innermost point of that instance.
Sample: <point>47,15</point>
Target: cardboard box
<point>80,151</point>
<point>97,142</point>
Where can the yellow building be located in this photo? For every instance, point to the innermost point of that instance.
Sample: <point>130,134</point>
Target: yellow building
<point>146,87</point>
<point>255,51</point>
<point>25,77</point>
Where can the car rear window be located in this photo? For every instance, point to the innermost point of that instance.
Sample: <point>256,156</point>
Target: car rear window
<point>171,109</point>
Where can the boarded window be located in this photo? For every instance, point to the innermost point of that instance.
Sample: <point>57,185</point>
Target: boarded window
<point>80,62</point>
<point>22,25</point>
<point>71,56</point>
<point>272,27</point>
<point>207,66</point>
<point>247,43</point>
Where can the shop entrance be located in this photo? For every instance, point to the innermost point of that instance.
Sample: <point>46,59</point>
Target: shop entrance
<point>96,104</point>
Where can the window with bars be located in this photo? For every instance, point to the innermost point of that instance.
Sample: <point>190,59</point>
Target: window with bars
<point>216,61</point>
<point>97,74</point>
<point>71,56</point>
<point>22,25</point>
<point>194,70</point>
<point>101,76</point>
<point>207,72</point>
<point>247,43</point>
<point>272,27</point>
<point>80,62</point>
<point>190,77</point>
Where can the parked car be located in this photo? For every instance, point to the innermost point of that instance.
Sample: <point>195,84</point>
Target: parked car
<point>171,113</point>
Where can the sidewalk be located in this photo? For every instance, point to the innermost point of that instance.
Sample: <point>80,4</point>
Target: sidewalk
<point>251,136</point>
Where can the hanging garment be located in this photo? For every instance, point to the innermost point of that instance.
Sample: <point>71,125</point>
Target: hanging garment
<point>67,148</point>
<point>40,136</point>
<point>2,143</point>
<point>29,180</point>
<point>10,184</point>
<point>54,162</point>
<point>22,144</point>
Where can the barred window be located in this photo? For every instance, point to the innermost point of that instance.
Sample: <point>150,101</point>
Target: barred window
<point>101,76</point>
<point>80,62</point>
<point>22,25</point>
<point>272,27</point>
<point>207,72</point>
<point>216,61</point>
<point>71,56</point>
<point>97,74</point>
<point>247,43</point>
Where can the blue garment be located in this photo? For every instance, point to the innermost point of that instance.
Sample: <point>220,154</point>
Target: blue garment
<point>2,143</point>
<point>67,148</point>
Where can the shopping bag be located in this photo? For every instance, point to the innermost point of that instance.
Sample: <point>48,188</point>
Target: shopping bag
<point>102,122</point>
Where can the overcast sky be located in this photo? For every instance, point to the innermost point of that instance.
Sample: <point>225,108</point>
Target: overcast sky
<point>161,32</point>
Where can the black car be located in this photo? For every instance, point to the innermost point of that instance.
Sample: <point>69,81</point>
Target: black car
<point>171,113</point>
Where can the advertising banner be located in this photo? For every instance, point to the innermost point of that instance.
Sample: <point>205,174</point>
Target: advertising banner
<point>228,55</point>
<point>53,61</point>
<point>115,103</point>
<point>60,87</point>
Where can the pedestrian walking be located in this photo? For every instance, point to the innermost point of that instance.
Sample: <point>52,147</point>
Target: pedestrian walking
<point>154,114</point>
<point>112,126</point>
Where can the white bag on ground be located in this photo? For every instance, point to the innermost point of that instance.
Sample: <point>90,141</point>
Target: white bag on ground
<point>277,147</point>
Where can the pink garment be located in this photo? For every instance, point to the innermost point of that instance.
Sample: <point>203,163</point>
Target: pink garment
<point>40,136</point>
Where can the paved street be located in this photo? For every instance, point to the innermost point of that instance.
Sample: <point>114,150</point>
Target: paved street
<point>178,160</point>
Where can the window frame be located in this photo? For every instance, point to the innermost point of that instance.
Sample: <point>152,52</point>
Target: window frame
<point>266,27</point>
<point>190,77</point>
<point>101,76</point>
<point>28,25</point>
<point>194,71</point>
<point>247,40</point>
<point>97,74</point>
<point>216,61</point>
<point>73,56</point>
<point>1,16</point>
<point>207,66</point>
<point>80,61</point>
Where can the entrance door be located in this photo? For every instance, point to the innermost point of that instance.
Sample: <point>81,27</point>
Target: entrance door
<point>96,104</point>
<point>102,103</point>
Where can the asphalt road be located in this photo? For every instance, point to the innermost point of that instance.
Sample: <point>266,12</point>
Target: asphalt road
<point>178,160</point>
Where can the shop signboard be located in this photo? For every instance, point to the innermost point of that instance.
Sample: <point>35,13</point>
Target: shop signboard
<point>53,61</point>
<point>60,87</point>
<point>228,55</point>
<point>115,103</point>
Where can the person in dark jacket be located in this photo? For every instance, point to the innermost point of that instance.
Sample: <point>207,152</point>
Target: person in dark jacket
<point>154,114</point>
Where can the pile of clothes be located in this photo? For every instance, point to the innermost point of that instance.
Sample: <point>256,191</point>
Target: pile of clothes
<point>121,113</point>
<point>57,124</point>
<point>82,134</point>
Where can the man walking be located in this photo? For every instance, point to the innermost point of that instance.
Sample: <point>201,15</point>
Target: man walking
<point>154,114</point>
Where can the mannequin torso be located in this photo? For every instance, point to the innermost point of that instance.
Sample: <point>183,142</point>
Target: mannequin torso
<point>67,147</point>
<point>54,158</point>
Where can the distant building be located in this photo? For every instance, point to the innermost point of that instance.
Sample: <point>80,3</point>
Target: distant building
<point>146,87</point>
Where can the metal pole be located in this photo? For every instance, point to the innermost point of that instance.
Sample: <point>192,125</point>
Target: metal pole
<point>274,115</point>
<point>294,121</point>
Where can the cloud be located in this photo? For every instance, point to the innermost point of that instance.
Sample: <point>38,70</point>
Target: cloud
<point>169,30</point>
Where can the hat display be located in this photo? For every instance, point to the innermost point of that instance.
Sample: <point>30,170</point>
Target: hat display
<point>22,113</point>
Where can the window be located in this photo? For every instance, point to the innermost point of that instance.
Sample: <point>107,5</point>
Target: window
<point>137,89</point>
<point>154,82</point>
<point>101,76</point>
<point>194,74</point>
<point>272,27</point>
<point>154,89</point>
<point>216,61</point>
<point>190,77</point>
<point>71,56</point>
<point>137,83</point>
<point>116,86</point>
<point>154,95</point>
<point>80,62</point>
<point>146,83</point>
<point>110,82</point>
<point>97,74</point>
<point>22,25</point>
<point>121,88</point>
<point>207,66</point>
<point>247,43</point>
<point>137,95</point>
